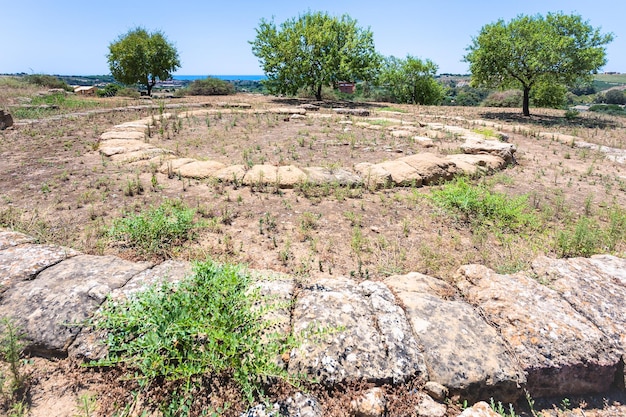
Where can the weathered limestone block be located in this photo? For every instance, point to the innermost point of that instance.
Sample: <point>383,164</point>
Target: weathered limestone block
<point>282,176</point>
<point>261,175</point>
<point>309,107</point>
<point>90,343</point>
<point>287,110</point>
<point>140,155</point>
<point>368,336</point>
<point>52,308</point>
<point>477,164</point>
<point>430,167</point>
<point>373,174</point>
<point>171,167</point>
<point>112,147</point>
<point>23,262</point>
<point>476,146</point>
<point>424,141</point>
<point>462,352</point>
<point>352,112</point>
<point>405,133</point>
<point>321,175</point>
<point>561,351</point>
<point>235,105</point>
<point>10,238</point>
<point>137,126</point>
<point>593,288</point>
<point>289,175</point>
<point>402,174</point>
<point>231,174</point>
<point>199,169</point>
<point>123,135</point>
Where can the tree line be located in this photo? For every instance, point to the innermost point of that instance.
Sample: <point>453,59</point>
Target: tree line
<point>539,55</point>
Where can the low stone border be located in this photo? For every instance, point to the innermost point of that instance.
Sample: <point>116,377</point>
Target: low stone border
<point>124,143</point>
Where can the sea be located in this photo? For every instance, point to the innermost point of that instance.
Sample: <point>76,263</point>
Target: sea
<point>221,77</point>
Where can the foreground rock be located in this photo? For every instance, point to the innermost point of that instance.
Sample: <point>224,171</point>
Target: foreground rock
<point>52,307</point>
<point>557,330</point>
<point>477,146</point>
<point>364,334</point>
<point>462,352</point>
<point>560,349</point>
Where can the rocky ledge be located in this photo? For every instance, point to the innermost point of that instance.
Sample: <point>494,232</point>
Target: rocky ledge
<point>555,330</point>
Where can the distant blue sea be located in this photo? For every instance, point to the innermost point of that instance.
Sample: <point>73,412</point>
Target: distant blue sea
<point>221,77</point>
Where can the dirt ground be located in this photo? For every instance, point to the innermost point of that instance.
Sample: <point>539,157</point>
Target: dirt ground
<point>55,185</point>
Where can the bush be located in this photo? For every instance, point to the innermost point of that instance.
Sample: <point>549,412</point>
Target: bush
<point>211,323</point>
<point>157,230</point>
<point>614,97</point>
<point>128,92</point>
<point>48,81</point>
<point>210,87</point>
<point>508,98</point>
<point>110,90</point>
<point>612,109</point>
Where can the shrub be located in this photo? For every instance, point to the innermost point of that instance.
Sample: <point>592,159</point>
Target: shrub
<point>210,87</point>
<point>210,323</point>
<point>508,98</point>
<point>612,109</point>
<point>48,81</point>
<point>614,96</point>
<point>157,230</point>
<point>109,90</point>
<point>128,92</point>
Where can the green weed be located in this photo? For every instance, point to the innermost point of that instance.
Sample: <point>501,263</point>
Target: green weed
<point>209,323</point>
<point>478,205</point>
<point>157,230</point>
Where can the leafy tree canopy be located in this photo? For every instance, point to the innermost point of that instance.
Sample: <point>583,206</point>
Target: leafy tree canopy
<point>534,50</point>
<point>314,50</point>
<point>142,57</point>
<point>411,80</point>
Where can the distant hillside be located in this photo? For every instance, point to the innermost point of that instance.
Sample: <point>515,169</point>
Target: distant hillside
<point>605,81</point>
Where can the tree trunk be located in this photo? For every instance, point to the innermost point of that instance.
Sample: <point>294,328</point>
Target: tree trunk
<point>318,93</point>
<point>526,102</point>
<point>150,84</point>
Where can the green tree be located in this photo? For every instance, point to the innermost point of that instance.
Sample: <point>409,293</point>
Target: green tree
<point>411,80</point>
<point>142,57</point>
<point>312,51</point>
<point>534,50</point>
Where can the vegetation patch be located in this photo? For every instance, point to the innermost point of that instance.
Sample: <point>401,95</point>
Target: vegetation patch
<point>210,87</point>
<point>612,109</point>
<point>157,230</point>
<point>210,323</point>
<point>477,204</point>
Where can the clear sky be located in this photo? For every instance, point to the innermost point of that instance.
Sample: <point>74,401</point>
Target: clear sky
<point>71,37</point>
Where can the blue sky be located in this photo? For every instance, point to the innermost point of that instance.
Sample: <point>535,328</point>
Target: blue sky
<point>71,37</point>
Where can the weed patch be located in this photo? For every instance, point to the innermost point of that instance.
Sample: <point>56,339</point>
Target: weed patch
<point>477,204</point>
<point>210,323</point>
<point>157,230</point>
